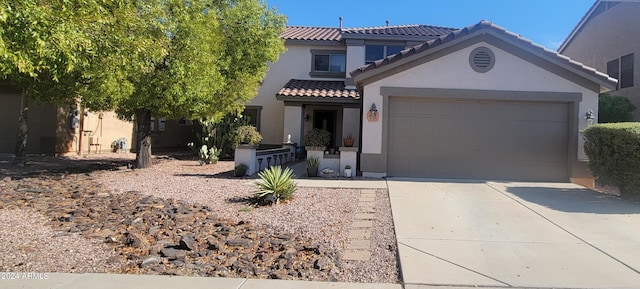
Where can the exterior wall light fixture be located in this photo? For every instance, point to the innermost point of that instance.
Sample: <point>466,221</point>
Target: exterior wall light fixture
<point>373,114</point>
<point>589,117</point>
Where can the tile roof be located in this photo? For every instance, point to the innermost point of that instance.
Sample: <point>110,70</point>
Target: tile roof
<point>337,34</point>
<point>587,71</point>
<point>312,33</point>
<point>402,30</point>
<point>299,88</point>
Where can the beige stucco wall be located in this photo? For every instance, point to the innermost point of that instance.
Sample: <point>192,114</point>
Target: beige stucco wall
<point>355,57</point>
<point>293,123</point>
<point>103,128</point>
<point>509,73</point>
<point>607,36</point>
<point>294,63</point>
<point>42,121</point>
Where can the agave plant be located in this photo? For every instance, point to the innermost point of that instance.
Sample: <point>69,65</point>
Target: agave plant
<point>275,185</point>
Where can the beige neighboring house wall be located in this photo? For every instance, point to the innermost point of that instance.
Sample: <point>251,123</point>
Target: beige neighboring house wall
<point>295,63</point>
<point>611,34</point>
<point>49,131</point>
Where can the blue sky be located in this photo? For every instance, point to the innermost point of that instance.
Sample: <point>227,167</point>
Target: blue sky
<point>546,22</point>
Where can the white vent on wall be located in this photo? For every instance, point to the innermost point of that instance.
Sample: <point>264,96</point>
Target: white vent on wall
<point>482,59</point>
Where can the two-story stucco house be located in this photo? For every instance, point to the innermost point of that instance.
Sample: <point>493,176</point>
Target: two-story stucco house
<point>608,38</point>
<point>310,85</point>
<point>480,102</point>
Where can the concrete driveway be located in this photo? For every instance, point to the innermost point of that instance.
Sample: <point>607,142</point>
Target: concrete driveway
<point>501,234</point>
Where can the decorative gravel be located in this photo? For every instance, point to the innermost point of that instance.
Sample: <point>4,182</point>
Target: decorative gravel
<point>321,214</point>
<point>29,245</point>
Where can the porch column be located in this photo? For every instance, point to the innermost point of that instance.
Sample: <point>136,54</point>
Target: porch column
<point>351,124</point>
<point>293,122</point>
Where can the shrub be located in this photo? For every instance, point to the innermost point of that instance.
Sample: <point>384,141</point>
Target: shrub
<point>247,134</point>
<point>240,170</point>
<point>614,155</point>
<point>218,135</point>
<point>614,108</point>
<point>207,155</point>
<point>317,138</point>
<point>275,184</point>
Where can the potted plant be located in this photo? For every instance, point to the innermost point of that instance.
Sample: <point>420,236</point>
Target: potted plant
<point>312,166</point>
<point>347,171</point>
<point>348,141</point>
<point>317,139</point>
<point>248,135</point>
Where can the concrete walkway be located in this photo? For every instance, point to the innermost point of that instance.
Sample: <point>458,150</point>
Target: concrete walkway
<point>119,281</point>
<point>531,235</point>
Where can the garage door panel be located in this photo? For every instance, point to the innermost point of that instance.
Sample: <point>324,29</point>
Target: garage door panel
<point>477,139</point>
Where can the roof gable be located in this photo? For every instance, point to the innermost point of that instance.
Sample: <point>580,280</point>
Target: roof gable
<point>490,31</point>
<point>597,8</point>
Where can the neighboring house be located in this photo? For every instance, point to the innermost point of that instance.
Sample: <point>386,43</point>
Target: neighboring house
<point>71,129</point>
<point>480,103</point>
<point>608,39</point>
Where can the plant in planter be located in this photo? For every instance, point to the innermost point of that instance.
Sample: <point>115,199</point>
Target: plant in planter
<point>247,134</point>
<point>347,171</point>
<point>312,166</point>
<point>348,141</point>
<point>240,170</point>
<point>317,138</point>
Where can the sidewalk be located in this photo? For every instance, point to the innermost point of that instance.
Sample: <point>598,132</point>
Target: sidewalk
<point>342,183</point>
<point>121,281</point>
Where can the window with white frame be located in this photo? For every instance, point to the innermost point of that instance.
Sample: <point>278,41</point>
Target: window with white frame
<point>377,52</point>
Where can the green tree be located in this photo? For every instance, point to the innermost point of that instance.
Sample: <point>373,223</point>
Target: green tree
<point>41,44</point>
<point>614,108</point>
<point>180,58</point>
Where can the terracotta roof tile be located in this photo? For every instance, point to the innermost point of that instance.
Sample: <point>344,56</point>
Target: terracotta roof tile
<point>312,33</point>
<point>317,88</point>
<point>403,30</point>
<point>486,25</point>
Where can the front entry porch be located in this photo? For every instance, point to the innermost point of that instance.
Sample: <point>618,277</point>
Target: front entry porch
<point>325,105</point>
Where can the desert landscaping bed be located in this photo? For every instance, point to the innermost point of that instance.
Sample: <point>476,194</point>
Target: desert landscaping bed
<point>180,218</point>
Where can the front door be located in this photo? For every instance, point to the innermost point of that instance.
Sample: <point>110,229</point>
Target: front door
<point>326,120</point>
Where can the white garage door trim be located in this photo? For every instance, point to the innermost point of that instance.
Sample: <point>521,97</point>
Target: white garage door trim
<point>373,164</point>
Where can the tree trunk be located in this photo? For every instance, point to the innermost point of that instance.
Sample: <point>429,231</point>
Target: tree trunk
<point>143,138</point>
<point>21,140</point>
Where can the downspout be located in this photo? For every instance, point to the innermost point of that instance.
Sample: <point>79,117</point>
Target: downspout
<point>359,170</point>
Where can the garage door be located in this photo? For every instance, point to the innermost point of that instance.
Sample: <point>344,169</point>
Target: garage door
<point>477,139</point>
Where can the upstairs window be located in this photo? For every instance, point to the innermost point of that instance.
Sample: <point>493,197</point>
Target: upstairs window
<point>626,71</point>
<point>622,70</point>
<point>328,63</point>
<point>377,52</point>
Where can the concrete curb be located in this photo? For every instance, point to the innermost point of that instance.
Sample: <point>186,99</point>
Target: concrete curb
<point>125,281</point>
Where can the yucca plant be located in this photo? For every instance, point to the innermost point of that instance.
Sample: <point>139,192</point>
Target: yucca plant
<point>275,185</point>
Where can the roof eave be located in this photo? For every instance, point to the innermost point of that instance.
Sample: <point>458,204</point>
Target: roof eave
<point>578,27</point>
<point>318,99</point>
<point>313,42</point>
